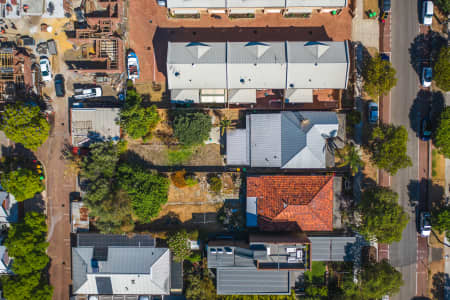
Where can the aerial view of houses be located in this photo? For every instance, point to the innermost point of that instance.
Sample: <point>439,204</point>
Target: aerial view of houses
<point>224,149</point>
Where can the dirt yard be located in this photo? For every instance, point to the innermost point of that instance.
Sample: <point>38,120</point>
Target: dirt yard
<point>150,29</point>
<point>370,5</point>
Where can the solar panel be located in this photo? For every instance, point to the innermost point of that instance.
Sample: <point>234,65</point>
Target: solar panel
<point>104,286</point>
<point>106,240</point>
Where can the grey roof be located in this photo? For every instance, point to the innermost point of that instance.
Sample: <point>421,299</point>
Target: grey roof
<point>299,95</point>
<point>252,282</point>
<point>331,248</point>
<point>104,286</point>
<point>317,65</point>
<point>105,240</point>
<point>240,257</point>
<point>256,65</point>
<point>190,65</point>
<point>286,139</point>
<point>316,3</point>
<point>265,139</point>
<point>196,3</point>
<point>176,275</point>
<point>95,124</point>
<point>255,3</point>
<point>242,96</point>
<point>185,95</point>
<point>237,147</point>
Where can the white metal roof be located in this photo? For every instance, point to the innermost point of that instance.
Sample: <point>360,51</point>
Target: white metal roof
<point>242,96</point>
<point>315,65</point>
<point>299,95</point>
<point>238,147</point>
<point>196,3</point>
<point>316,3</point>
<point>255,3</point>
<point>185,95</point>
<point>256,65</point>
<point>191,65</point>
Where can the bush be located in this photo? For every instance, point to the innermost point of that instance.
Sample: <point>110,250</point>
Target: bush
<point>195,257</point>
<point>442,134</point>
<point>178,179</point>
<point>441,72</point>
<point>192,128</point>
<point>191,181</point>
<point>178,243</point>
<point>215,184</point>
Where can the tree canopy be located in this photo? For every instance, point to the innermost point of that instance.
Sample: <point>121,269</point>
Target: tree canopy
<point>25,124</point>
<point>178,243</point>
<point>388,148</point>
<point>147,190</point>
<point>26,243</point>
<point>22,183</point>
<point>191,128</point>
<point>352,159</point>
<point>442,134</point>
<point>379,76</point>
<point>382,218</point>
<point>443,5</point>
<point>199,285</point>
<point>138,121</point>
<point>440,218</point>
<point>441,70</point>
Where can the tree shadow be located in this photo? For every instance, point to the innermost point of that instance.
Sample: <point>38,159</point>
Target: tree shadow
<point>424,50</point>
<point>439,282</point>
<point>426,104</point>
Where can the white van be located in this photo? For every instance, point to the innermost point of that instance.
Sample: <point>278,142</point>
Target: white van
<point>88,93</point>
<point>427,12</point>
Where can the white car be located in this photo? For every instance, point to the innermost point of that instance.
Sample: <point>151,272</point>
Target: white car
<point>427,76</point>
<point>46,71</point>
<point>88,93</point>
<point>427,12</point>
<point>425,224</point>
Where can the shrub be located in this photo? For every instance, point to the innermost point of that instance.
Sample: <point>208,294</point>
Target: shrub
<point>178,179</point>
<point>215,184</point>
<point>192,128</point>
<point>178,243</point>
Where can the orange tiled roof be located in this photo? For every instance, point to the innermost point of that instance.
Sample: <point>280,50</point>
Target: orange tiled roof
<point>304,200</point>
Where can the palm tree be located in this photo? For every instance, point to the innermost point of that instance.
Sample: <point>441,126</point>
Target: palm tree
<point>352,159</point>
<point>225,123</point>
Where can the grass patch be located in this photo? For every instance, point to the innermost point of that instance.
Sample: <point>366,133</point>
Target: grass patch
<point>318,269</point>
<point>180,156</point>
<point>437,165</point>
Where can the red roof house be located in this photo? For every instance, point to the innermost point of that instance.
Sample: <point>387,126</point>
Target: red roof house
<point>292,202</point>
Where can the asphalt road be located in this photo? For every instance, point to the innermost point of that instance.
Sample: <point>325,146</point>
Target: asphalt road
<point>405,28</point>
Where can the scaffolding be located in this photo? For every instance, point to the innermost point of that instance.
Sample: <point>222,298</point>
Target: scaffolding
<point>108,49</point>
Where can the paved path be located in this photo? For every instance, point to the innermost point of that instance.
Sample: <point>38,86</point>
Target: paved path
<point>404,29</point>
<point>364,30</point>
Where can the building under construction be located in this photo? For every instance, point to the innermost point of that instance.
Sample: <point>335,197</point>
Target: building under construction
<point>16,76</point>
<point>97,33</point>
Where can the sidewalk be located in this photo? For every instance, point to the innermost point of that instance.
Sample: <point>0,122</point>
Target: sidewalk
<point>365,31</point>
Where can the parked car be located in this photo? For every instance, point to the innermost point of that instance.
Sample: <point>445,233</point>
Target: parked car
<point>427,76</point>
<point>425,129</point>
<point>385,5</point>
<point>427,12</point>
<point>88,93</point>
<point>425,224</point>
<point>59,85</point>
<point>373,113</point>
<point>46,71</point>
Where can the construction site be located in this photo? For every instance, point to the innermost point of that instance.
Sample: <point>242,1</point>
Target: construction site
<point>97,38</point>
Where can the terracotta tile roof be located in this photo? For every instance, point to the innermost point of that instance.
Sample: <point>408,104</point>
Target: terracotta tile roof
<point>293,201</point>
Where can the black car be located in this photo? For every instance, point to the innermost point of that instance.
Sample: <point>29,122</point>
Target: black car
<point>59,85</point>
<point>425,129</point>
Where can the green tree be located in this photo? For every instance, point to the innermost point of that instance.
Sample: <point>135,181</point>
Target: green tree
<point>22,183</point>
<point>440,218</point>
<point>352,159</point>
<point>26,243</point>
<point>178,243</point>
<point>382,218</point>
<point>441,70</point>
<point>25,124</point>
<point>147,190</point>
<point>388,148</point>
<point>443,5</point>
<point>260,297</point>
<point>442,134</point>
<point>138,121</point>
<point>379,76</point>
<point>199,285</point>
<point>192,128</point>
<point>225,124</point>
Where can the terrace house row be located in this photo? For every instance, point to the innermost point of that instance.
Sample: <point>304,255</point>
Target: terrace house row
<point>234,72</point>
<point>240,7</point>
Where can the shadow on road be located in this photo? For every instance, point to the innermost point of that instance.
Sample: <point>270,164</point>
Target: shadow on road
<point>425,49</point>
<point>426,104</point>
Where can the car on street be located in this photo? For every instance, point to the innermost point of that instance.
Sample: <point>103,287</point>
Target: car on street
<point>373,113</point>
<point>385,5</point>
<point>427,76</point>
<point>425,224</point>
<point>59,85</point>
<point>427,12</point>
<point>46,71</point>
<point>425,129</point>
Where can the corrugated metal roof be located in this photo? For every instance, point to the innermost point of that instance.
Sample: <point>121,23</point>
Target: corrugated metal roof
<point>185,95</point>
<point>190,65</point>
<point>314,65</point>
<point>299,95</point>
<point>316,3</point>
<point>331,248</point>
<point>105,240</point>
<point>196,3</point>
<point>104,286</point>
<point>94,123</point>
<point>265,139</point>
<point>238,147</point>
<point>176,275</point>
<point>240,257</point>
<point>256,65</point>
<point>251,215</point>
<point>255,3</point>
<point>242,96</point>
<point>252,282</point>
